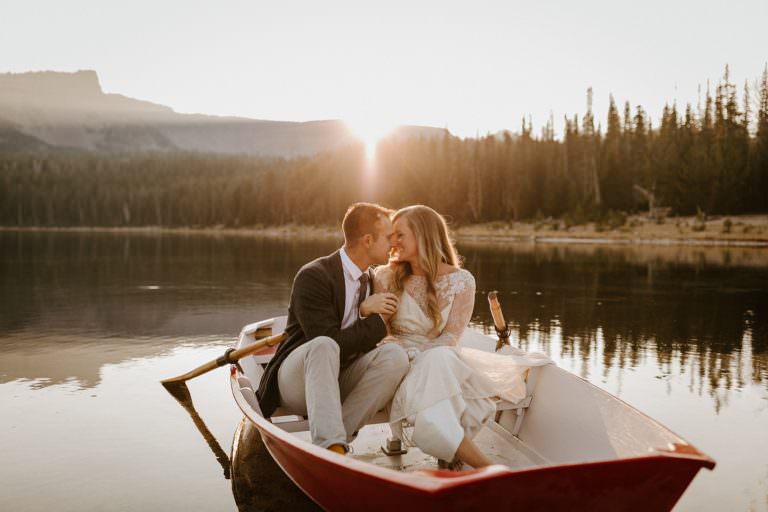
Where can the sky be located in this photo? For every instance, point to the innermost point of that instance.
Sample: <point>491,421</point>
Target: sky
<point>474,67</point>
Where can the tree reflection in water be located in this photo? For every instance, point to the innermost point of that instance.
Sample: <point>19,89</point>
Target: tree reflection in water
<point>702,311</point>
<point>690,309</point>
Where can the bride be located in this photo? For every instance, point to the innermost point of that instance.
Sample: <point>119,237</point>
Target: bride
<point>447,394</point>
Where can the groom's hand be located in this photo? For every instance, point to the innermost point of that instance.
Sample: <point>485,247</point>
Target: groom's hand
<point>384,304</point>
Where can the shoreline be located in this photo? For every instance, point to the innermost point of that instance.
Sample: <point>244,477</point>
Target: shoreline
<point>740,231</point>
<point>737,231</point>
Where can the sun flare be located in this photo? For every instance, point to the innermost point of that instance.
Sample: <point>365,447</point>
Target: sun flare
<point>370,132</point>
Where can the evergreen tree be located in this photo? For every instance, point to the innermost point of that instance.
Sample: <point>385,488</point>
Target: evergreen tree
<point>759,155</point>
<point>713,158</point>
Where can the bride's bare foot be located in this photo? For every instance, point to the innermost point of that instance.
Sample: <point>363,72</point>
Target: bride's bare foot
<point>469,452</point>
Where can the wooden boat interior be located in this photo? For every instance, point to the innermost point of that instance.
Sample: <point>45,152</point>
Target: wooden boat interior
<point>562,420</point>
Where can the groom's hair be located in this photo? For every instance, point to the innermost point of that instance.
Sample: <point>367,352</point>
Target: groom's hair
<point>361,219</point>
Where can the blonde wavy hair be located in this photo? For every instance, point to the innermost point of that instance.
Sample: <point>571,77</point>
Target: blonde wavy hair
<point>434,247</point>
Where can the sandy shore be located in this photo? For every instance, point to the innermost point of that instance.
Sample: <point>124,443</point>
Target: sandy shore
<point>298,232</point>
<point>745,230</point>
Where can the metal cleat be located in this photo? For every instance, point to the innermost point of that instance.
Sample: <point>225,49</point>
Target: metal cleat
<point>394,447</point>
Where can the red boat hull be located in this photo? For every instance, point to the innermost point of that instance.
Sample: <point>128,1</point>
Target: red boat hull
<point>645,484</point>
<point>338,483</point>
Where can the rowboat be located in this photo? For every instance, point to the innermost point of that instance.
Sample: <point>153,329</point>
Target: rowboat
<point>568,445</point>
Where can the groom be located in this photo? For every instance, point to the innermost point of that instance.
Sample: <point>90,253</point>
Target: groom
<point>329,367</point>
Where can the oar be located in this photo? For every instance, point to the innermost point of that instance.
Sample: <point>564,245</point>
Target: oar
<point>502,329</point>
<point>176,385</point>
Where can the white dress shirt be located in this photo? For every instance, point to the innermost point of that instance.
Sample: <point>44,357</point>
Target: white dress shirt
<point>352,275</point>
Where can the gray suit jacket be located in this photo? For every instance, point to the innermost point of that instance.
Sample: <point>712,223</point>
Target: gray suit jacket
<point>317,309</point>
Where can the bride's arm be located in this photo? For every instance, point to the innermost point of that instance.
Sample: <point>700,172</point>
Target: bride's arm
<point>382,283</point>
<point>460,314</point>
<point>382,280</point>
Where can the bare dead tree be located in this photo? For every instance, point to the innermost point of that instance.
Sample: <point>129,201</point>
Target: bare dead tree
<point>649,196</point>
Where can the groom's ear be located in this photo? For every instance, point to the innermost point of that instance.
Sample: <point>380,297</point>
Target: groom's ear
<point>367,240</point>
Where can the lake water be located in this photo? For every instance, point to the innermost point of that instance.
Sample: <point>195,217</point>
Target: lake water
<point>90,322</point>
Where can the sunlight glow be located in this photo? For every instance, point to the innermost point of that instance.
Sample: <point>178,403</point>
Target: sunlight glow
<point>370,132</point>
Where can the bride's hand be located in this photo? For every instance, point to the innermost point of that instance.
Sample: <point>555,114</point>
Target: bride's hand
<point>384,304</point>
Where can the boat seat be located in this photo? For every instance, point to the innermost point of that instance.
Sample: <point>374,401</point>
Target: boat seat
<point>521,406</point>
<point>283,419</point>
<point>295,423</point>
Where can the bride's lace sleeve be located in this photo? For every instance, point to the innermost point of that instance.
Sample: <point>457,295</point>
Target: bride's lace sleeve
<point>382,279</point>
<point>463,290</point>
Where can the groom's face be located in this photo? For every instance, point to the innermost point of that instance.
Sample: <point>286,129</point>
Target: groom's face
<point>378,251</point>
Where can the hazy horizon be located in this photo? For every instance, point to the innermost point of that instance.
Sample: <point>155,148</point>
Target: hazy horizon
<point>473,68</point>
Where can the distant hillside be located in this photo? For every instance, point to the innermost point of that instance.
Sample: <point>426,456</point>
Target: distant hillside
<point>71,110</point>
<point>13,139</point>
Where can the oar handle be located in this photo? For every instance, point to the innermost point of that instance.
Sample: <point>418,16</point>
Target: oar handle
<point>496,313</point>
<point>502,330</point>
<point>229,357</point>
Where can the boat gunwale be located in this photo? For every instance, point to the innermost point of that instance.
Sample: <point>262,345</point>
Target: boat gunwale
<point>436,481</point>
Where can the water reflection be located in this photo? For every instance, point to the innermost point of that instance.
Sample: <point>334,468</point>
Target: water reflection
<point>144,284</point>
<point>74,302</point>
<point>694,310</point>
<point>103,298</point>
<point>89,322</point>
<point>180,391</point>
<point>258,483</point>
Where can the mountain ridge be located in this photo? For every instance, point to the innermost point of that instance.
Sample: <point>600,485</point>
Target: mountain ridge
<point>72,110</point>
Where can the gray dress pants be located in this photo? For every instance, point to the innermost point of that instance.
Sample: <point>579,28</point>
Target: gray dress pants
<point>338,402</point>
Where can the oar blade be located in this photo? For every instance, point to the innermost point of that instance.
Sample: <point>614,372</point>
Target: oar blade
<point>178,390</point>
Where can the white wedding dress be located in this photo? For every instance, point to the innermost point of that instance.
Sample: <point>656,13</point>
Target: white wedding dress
<point>448,391</point>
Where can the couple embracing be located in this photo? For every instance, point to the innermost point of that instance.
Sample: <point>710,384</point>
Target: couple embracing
<point>376,325</point>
